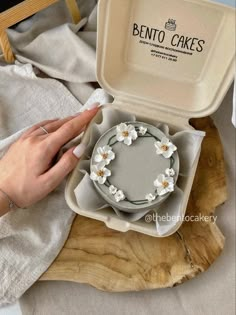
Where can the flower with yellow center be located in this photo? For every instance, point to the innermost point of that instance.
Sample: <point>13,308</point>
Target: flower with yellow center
<point>100,173</point>
<point>165,147</point>
<point>126,133</point>
<point>104,154</point>
<point>164,184</point>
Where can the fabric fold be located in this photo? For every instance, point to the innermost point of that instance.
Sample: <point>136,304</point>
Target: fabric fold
<point>189,144</point>
<point>30,239</point>
<point>87,188</point>
<point>167,219</point>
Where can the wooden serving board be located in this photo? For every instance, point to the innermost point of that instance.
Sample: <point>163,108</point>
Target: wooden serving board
<point>114,261</point>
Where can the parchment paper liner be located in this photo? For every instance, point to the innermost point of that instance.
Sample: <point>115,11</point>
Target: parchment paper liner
<point>188,143</point>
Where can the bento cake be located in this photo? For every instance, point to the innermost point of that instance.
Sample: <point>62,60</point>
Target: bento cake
<point>134,166</point>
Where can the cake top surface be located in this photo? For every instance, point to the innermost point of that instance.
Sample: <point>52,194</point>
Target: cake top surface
<point>134,166</point>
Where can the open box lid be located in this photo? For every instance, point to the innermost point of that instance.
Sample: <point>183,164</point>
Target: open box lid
<point>176,55</point>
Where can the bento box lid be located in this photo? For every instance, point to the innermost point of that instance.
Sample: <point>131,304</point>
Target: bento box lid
<point>176,55</point>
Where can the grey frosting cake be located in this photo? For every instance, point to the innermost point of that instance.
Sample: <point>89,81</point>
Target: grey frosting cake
<point>134,166</point>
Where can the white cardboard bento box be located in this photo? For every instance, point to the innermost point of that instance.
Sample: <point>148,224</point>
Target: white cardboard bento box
<point>165,61</point>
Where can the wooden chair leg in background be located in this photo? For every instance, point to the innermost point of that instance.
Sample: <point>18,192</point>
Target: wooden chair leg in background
<point>23,10</point>
<point>6,47</point>
<point>74,10</point>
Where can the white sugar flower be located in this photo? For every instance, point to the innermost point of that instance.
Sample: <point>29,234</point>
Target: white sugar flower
<point>126,133</point>
<point>165,147</point>
<point>164,184</point>
<point>142,130</point>
<point>112,190</point>
<point>119,196</point>
<point>170,172</point>
<point>105,154</point>
<point>150,197</point>
<point>99,173</point>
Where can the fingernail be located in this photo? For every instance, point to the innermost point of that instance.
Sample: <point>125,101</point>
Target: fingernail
<point>79,150</point>
<point>94,105</point>
<point>90,107</point>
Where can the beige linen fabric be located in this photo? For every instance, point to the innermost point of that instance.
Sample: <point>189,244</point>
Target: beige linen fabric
<point>31,239</point>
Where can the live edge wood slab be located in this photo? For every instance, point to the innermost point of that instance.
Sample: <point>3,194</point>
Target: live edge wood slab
<point>114,261</point>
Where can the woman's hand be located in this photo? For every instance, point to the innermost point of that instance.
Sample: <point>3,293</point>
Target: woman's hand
<point>27,172</point>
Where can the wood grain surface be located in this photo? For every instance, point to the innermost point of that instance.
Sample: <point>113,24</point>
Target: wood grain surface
<point>6,47</point>
<point>114,261</point>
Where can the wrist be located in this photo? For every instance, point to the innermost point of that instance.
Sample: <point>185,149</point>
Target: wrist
<point>6,204</point>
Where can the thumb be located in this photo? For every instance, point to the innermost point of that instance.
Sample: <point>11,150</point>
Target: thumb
<point>54,176</point>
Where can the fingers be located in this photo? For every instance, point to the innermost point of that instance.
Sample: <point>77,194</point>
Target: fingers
<point>37,126</point>
<point>51,126</point>
<point>70,130</point>
<point>60,170</point>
